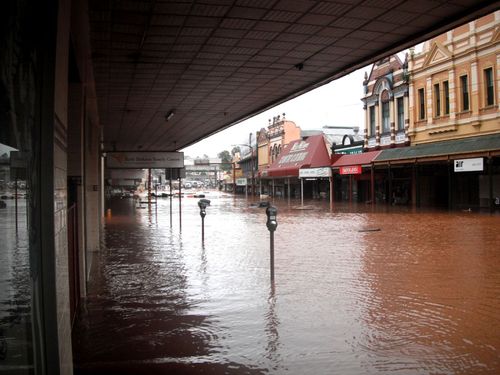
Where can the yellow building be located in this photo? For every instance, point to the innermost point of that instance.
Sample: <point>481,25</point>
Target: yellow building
<point>454,88</point>
<point>270,141</point>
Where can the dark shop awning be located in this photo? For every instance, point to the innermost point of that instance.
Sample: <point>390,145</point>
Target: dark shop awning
<point>484,145</point>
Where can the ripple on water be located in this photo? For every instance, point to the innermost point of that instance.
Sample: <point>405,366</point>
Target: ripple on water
<point>417,296</point>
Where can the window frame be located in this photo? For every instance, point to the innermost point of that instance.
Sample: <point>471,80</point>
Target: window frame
<point>464,92</point>
<point>446,96</point>
<point>371,119</point>
<point>421,104</point>
<point>437,100</point>
<point>400,116</point>
<point>487,93</point>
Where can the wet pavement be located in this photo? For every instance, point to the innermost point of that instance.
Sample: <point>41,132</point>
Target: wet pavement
<point>357,291</point>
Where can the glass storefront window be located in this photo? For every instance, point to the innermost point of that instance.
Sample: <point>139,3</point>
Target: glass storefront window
<point>16,349</point>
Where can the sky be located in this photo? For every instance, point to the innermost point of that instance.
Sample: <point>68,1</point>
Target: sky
<point>337,103</point>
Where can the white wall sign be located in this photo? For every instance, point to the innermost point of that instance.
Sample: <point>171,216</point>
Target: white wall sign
<point>241,181</point>
<point>145,160</point>
<point>468,165</point>
<point>385,140</point>
<point>315,172</point>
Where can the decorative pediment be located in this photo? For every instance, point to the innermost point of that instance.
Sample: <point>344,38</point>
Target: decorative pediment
<point>381,85</point>
<point>437,54</point>
<point>496,36</point>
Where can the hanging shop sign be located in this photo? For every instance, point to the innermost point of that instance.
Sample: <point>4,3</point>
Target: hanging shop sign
<point>352,169</point>
<point>469,165</point>
<point>145,160</point>
<point>315,172</point>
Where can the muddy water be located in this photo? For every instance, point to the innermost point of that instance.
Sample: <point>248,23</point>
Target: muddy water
<point>357,291</point>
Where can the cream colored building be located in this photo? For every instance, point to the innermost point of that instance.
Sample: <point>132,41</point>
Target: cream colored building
<point>454,86</point>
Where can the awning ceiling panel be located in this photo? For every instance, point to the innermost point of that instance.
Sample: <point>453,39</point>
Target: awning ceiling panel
<point>213,63</point>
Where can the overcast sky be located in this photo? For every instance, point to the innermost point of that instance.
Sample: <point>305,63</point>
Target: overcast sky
<point>336,104</point>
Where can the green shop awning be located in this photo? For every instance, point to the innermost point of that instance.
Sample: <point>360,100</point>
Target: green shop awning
<point>472,145</point>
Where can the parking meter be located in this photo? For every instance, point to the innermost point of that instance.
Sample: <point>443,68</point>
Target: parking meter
<point>272,223</point>
<point>203,204</point>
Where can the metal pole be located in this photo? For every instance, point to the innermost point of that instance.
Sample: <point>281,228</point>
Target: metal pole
<point>331,192</point>
<point>350,188</point>
<point>301,191</point>
<point>272,254</point>
<point>372,183</point>
<point>202,229</point>
<point>490,183</point>
<point>15,196</point>
<point>180,201</point>
<point>149,188</point>
<point>171,194</point>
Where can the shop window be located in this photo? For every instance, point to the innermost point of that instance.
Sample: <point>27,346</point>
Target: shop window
<point>421,104</point>
<point>464,90</point>
<point>489,87</point>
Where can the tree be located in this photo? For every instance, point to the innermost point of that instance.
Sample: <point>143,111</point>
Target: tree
<point>235,150</point>
<point>225,158</point>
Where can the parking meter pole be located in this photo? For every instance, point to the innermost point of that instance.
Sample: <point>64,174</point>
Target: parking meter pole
<point>202,229</point>
<point>180,203</point>
<point>272,254</point>
<point>203,204</point>
<point>171,194</point>
<point>272,224</point>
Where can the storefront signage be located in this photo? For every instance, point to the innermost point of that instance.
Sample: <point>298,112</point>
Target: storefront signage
<point>400,137</point>
<point>385,140</point>
<point>145,160</point>
<point>352,169</point>
<point>469,165</point>
<point>315,172</point>
<point>350,150</point>
<point>241,182</point>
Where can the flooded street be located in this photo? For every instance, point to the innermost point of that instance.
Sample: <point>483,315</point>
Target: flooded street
<point>388,291</point>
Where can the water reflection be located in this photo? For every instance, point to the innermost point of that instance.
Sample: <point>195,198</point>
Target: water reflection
<point>418,296</point>
<point>15,290</point>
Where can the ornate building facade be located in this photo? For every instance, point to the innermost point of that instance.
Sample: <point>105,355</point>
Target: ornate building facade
<point>386,104</point>
<point>454,89</point>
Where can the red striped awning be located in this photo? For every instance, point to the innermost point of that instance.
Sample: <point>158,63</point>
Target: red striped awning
<point>355,159</point>
<point>302,153</point>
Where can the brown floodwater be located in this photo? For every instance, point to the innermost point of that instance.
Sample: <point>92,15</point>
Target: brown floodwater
<point>357,291</point>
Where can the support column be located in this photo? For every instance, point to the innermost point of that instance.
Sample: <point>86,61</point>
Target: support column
<point>450,184</point>
<point>350,188</point>
<point>372,183</point>
<point>390,183</point>
<point>417,185</point>
<point>331,192</point>
<point>490,184</point>
<point>302,191</point>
